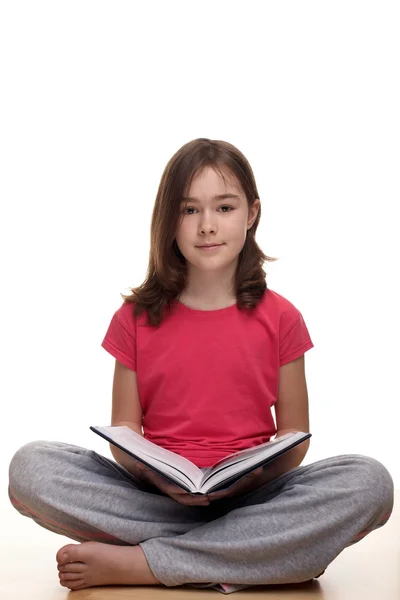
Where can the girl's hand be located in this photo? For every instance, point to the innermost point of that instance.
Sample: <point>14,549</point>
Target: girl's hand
<point>247,483</point>
<point>170,489</point>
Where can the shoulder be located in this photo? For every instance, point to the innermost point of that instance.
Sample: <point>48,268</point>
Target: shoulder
<point>280,305</point>
<point>287,317</point>
<point>294,337</point>
<point>125,316</point>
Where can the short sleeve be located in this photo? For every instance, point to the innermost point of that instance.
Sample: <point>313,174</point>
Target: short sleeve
<point>294,337</point>
<point>120,340</point>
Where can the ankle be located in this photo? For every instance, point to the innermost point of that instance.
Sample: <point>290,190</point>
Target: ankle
<point>144,569</point>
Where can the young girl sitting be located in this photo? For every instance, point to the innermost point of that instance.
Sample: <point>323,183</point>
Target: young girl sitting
<point>203,350</point>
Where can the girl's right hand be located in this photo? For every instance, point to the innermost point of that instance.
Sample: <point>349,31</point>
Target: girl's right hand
<point>175,492</point>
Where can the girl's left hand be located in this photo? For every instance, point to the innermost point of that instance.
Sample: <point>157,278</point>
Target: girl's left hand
<point>247,483</point>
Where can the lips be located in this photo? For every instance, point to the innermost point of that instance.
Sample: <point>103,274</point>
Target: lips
<point>209,245</point>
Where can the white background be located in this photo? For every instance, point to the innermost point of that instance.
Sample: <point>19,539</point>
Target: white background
<point>95,99</point>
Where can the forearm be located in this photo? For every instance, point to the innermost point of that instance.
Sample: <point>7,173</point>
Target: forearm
<point>123,458</point>
<point>291,459</point>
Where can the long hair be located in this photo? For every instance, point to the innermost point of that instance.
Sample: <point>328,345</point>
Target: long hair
<point>167,268</point>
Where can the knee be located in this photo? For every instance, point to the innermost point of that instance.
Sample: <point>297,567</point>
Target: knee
<point>374,482</point>
<point>27,469</point>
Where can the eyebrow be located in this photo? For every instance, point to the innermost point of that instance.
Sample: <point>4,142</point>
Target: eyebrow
<point>217,197</point>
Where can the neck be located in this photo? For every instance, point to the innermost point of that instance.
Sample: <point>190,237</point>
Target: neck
<point>211,287</point>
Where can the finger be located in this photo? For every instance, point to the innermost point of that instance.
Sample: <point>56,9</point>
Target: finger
<point>258,471</point>
<point>216,495</point>
<point>172,489</point>
<point>196,499</point>
<point>163,484</point>
<point>160,481</point>
<point>190,501</point>
<point>254,473</point>
<point>222,494</point>
<point>141,466</point>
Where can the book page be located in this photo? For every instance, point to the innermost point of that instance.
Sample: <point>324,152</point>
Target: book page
<point>169,462</point>
<point>248,458</point>
<point>240,455</point>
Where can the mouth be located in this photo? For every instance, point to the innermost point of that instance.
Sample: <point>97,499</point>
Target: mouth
<point>210,246</point>
<point>210,249</point>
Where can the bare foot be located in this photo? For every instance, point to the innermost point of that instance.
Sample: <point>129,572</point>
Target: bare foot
<point>93,563</point>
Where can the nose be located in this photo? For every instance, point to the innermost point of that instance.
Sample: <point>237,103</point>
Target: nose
<point>207,226</point>
<point>207,229</point>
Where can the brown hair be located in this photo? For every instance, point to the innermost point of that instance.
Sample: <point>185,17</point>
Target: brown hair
<point>167,269</point>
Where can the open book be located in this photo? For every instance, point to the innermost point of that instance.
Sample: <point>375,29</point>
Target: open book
<point>183,473</point>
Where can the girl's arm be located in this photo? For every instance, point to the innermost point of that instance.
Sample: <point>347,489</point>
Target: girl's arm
<point>291,407</point>
<point>291,411</point>
<point>292,414</point>
<point>122,458</point>
<point>126,410</point>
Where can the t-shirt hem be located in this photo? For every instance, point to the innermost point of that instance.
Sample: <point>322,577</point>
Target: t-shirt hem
<point>297,352</point>
<point>122,358</point>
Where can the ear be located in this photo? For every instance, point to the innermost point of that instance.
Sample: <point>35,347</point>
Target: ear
<point>253,213</point>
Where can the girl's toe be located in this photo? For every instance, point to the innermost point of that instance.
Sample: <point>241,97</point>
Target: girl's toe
<point>70,576</point>
<point>73,568</point>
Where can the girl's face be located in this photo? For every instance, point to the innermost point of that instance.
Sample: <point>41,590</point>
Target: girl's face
<point>208,219</point>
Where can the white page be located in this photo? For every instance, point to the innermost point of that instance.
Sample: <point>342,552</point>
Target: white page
<point>174,464</point>
<point>272,446</point>
<point>252,456</point>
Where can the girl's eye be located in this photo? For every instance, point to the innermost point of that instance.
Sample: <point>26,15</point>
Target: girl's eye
<point>192,208</point>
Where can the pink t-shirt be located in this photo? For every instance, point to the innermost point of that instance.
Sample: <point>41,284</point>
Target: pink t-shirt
<point>207,379</point>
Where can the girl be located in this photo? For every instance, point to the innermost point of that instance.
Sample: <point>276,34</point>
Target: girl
<point>203,351</point>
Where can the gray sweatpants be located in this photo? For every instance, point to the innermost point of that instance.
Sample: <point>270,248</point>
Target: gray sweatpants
<point>287,531</point>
